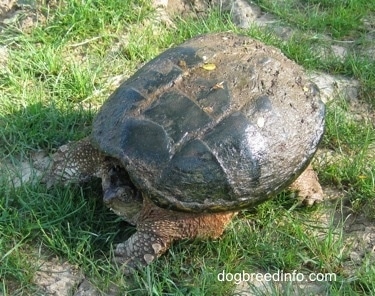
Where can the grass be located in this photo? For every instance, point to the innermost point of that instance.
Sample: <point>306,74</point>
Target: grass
<point>346,22</point>
<point>58,74</point>
<point>342,19</point>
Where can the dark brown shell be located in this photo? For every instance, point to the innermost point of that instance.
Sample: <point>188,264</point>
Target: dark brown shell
<point>221,122</point>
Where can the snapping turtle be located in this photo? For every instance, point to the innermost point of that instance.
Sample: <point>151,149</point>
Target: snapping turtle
<point>217,124</point>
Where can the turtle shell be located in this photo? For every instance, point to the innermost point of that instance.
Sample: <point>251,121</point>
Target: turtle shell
<point>221,122</point>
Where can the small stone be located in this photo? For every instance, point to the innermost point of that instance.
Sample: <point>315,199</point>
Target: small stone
<point>244,14</point>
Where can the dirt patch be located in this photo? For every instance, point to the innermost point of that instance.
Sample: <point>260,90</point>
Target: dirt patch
<point>57,278</point>
<point>359,237</point>
<point>255,287</point>
<point>61,278</point>
<point>19,172</point>
<point>5,7</point>
<point>245,14</point>
<point>186,7</point>
<point>357,233</point>
<point>21,14</point>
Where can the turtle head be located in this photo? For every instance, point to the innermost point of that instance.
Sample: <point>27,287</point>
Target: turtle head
<point>80,161</point>
<point>119,193</point>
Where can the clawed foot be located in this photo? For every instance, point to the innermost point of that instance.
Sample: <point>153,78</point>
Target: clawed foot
<point>308,188</point>
<point>140,250</point>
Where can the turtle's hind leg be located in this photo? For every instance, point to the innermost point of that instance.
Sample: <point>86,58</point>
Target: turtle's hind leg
<point>307,187</point>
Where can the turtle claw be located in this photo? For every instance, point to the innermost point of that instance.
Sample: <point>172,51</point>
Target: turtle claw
<point>308,188</point>
<point>140,250</point>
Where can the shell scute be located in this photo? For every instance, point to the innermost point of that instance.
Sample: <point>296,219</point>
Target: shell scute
<point>197,138</point>
<point>177,114</point>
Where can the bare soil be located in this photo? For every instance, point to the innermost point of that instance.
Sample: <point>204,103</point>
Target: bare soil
<point>61,278</point>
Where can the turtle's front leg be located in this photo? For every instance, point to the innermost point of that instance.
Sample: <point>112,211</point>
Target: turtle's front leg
<point>74,162</point>
<point>141,249</point>
<point>158,228</point>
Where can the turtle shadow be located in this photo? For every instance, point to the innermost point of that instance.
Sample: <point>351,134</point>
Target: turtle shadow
<point>40,126</point>
<point>28,137</point>
<point>31,133</point>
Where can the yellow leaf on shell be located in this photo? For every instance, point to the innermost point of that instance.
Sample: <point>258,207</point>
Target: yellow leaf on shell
<point>209,66</point>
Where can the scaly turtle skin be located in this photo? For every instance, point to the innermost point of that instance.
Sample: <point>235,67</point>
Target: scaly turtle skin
<point>220,123</point>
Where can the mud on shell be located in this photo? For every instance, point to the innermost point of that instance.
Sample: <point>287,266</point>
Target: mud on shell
<point>220,122</point>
